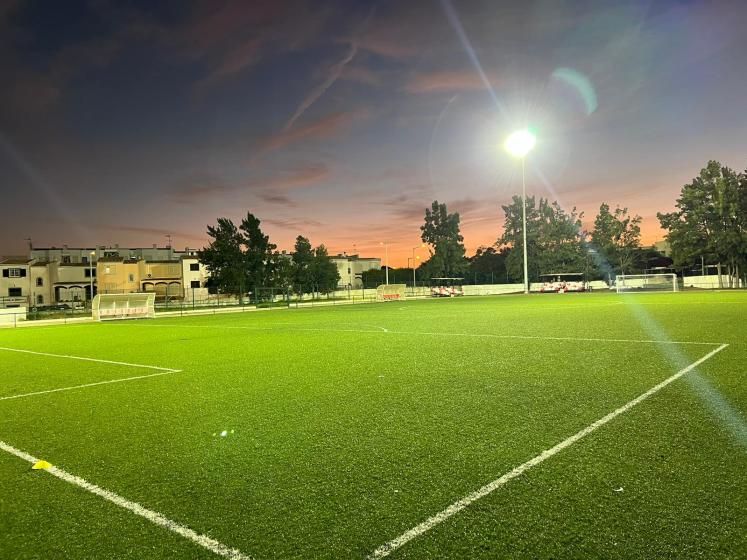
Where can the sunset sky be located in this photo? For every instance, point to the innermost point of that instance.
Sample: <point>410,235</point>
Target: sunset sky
<point>341,121</point>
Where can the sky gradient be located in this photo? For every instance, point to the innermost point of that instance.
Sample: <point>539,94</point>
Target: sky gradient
<point>122,123</point>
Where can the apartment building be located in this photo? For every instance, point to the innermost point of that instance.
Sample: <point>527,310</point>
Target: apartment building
<point>85,255</point>
<point>352,267</point>
<point>15,281</point>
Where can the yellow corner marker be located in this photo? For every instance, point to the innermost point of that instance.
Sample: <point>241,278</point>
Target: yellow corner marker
<point>41,465</point>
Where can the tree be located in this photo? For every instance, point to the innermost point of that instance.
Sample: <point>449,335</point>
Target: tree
<point>488,264</point>
<point>303,257</point>
<point>313,270</point>
<point>617,236</point>
<point>283,273</point>
<point>258,252</point>
<point>224,256</point>
<point>238,259</point>
<point>324,272</point>
<point>710,221</point>
<point>554,239</point>
<point>441,232</point>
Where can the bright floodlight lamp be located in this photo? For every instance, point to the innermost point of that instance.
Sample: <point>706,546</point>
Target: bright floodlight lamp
<point>520,143</point>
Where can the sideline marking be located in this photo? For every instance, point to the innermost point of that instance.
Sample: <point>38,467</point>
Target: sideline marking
<point>168,370</point>
<point>478,335</point>
<point>387,548</point>
<point>120,380</point>
<point>154,517</point>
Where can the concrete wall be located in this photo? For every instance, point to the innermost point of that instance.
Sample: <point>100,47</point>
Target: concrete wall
<point>12,315</point>
<point>709,281</point>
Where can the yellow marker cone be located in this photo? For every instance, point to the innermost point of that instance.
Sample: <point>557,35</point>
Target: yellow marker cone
<point>41,465</point>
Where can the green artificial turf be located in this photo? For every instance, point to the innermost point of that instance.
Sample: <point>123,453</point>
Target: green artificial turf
<point>347,426</point>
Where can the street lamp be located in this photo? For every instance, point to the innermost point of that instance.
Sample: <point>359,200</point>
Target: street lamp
<point>414,283</point>
<point>413,259</point>
<point>90,273</point>
<point>386,259</point>
<point>519,144</point>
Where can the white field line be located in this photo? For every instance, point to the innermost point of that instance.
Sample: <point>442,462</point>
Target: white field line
<point>389,547</point>
<point>160,370</point>
<point>168,370</point>
<point>421,333</point>
<point>88,385</point>
<point>154,517</point>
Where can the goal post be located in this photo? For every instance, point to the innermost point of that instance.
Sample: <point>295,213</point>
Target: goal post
<point>633,283</point>
<point>390,292</point>
<point>136,305</point>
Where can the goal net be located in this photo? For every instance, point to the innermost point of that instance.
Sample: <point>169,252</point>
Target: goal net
<point>123,306</point>
<point>646,283</point>
<point>390,292</point>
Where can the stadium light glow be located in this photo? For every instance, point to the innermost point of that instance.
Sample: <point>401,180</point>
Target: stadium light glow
<point>520,143</point>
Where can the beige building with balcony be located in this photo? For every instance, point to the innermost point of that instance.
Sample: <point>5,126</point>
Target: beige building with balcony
<point>117,275</point>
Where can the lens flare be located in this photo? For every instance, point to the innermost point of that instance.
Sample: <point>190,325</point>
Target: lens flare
<point>520,143</point>
<point>581,84</point>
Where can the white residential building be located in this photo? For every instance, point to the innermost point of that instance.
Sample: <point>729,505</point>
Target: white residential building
<point>352,267</point>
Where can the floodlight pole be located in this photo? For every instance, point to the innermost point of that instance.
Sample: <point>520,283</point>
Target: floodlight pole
<point>524,223</point>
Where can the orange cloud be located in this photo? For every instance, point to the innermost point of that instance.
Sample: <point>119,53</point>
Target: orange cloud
<point>320,128</point>
<point>450,81</point>
<point>274,189</point>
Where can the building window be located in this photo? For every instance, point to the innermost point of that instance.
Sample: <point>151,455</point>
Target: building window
<point>15,292</point>
<point>173,270</point>
<point>131,278</point>
<point>14,272</point>
<point>111,253</point>
<point>65,259</point>
<point>40,282</point>
<point>110,270</point>
<point>39,300</point>
<point>194,284</point>
<point>84,260</point>
<point>88,272</point>
<point>194,267</point>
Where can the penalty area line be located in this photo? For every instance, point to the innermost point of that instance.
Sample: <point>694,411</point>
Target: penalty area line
<point>120,380</point>
<point>154,517</point>
<point>394,544</point>
<point>85,359</point>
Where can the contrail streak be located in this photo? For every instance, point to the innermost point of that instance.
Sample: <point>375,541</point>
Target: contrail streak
<point>317,92</point>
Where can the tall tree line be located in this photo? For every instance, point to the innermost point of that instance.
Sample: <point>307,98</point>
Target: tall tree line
<point>710,224</point>
<point>241,259</point>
